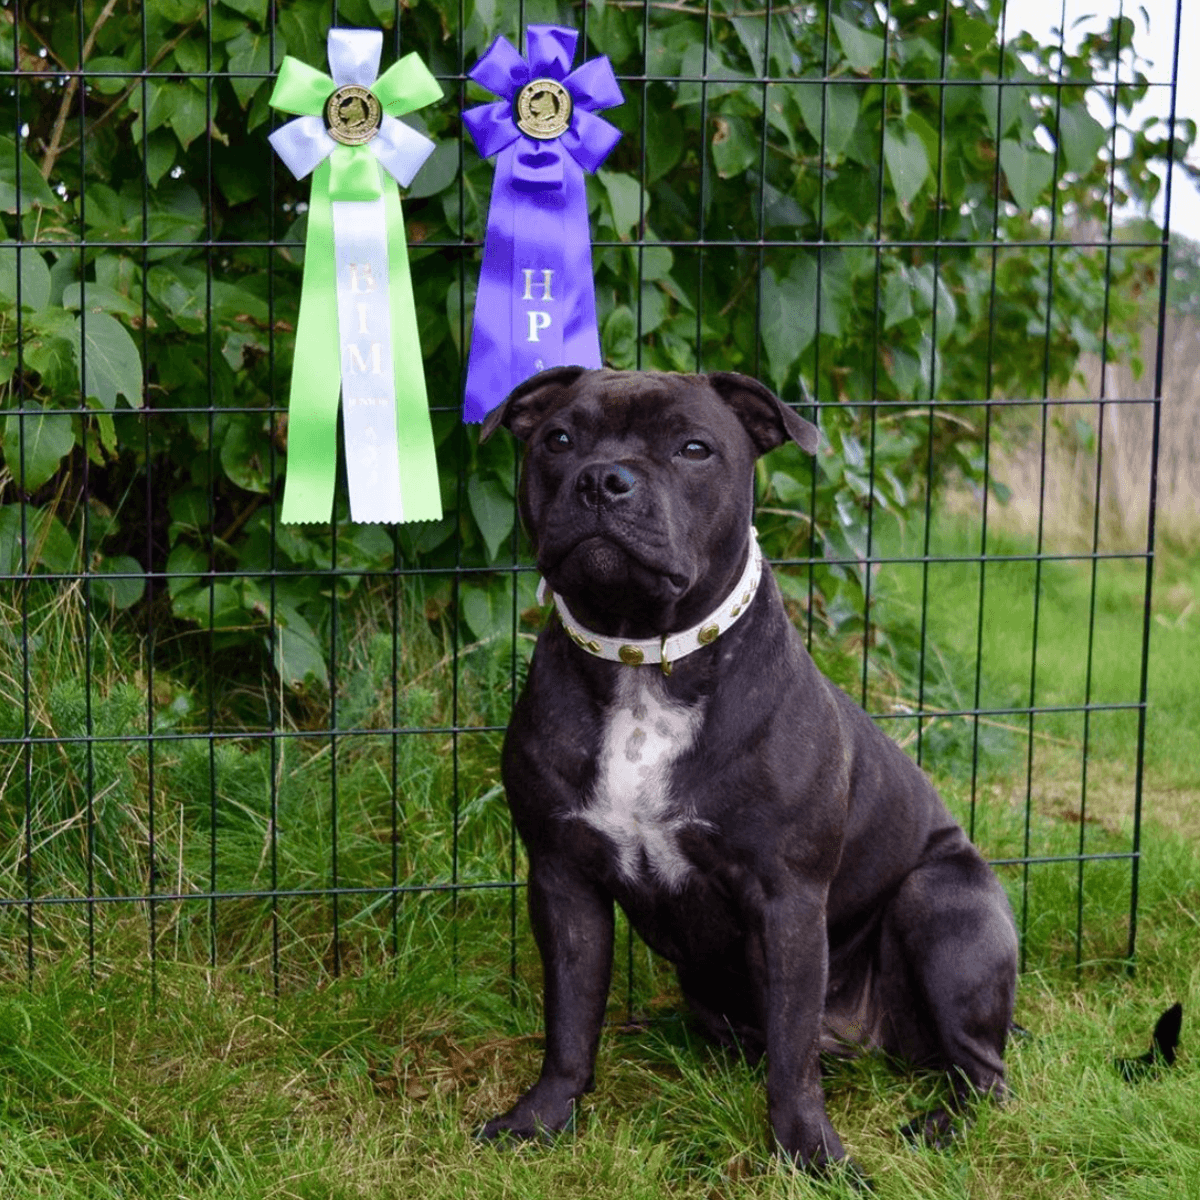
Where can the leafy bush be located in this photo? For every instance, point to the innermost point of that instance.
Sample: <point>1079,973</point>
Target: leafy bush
<point>774,207</point>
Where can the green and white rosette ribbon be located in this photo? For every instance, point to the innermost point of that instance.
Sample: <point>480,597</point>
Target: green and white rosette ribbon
<point>357,330</point>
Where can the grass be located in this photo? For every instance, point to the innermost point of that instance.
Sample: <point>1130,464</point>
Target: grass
<point>217,1075</point>
<point>371,1085</point>
<point>128,791</point>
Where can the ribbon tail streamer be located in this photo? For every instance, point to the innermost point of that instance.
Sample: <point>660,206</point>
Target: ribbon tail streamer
<point>536,305</point>
<point>419,484</point>
<point>316,373</point>
<point>369,382</point>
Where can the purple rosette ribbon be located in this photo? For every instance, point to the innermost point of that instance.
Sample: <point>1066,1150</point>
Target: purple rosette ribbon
<point>536,303</point>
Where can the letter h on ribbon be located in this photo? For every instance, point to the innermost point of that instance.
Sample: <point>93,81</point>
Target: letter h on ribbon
<point>536,304</point>
<point>357,329</point>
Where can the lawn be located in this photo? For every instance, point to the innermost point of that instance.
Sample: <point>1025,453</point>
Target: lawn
<point>206,1081</point>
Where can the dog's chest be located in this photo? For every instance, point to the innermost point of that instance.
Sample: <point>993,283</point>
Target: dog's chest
<point>633,802</point>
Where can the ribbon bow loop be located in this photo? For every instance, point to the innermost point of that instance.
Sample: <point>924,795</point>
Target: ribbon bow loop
<point>551,50</point>
<point>501,70</point>
<point>407,85</point>
<point>594,85</point>
<point>321,133</point>
<point>354,55</point>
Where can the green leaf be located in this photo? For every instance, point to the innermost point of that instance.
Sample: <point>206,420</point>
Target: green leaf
<point>179,12</point>
<point>102,74</point>
<point>612,32</point>
<point>35,444</point>
<point>35,277</point>
<point>665,144</point>
<point>709,66</point>
<point>153,103</point>
<point>185,564</point>
<point>256,10</point>
<point>158,154</point>
<point>494,512</point>
<point>752,34</point>
<point>249,54</point>
<point>666,45</point>
<point>656,261</point>
<point>789,489</point>
<point>191,56</point>
<point>233,305</point>
<point>34,537</point>
<point>907,161</point>
<point>1011,99</point>
<point>653,308</point>
<point>176,215</point>
<point>32,190</point>
<point>863,50</point>
<point>183,292</point>
<point>245,456</point>
<point>832,109</point>
<point>218,606</point>
<point>189,511</point>
<point>302,23</point>
<point>735,146</point>
<point>54,356</point>
<point>121,592</point>
<point>625,201</point>
<point>189,113</point>
<point>1081,137</point>
<point>438,173</point>
<point>487,609</point>
<point>897,299</point>
<point>298,655</point>
<point>789,315</point>
<point>620,338</point>
<point>102,439</point>
<point>1028,172</point>
<point>109,362</point>
<point>100,298</point>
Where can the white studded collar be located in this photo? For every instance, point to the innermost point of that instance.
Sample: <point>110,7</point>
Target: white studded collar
<point>669,649</point>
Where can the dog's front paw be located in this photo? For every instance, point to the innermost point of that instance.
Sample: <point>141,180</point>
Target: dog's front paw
<point>531,1121</point>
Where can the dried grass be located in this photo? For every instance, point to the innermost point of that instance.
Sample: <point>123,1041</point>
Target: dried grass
<point>1112,443</point>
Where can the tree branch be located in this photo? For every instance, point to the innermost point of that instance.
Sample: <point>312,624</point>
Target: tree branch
<point>116,104</point>
<point>60,121</point>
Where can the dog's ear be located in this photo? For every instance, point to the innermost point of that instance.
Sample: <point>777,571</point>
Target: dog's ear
<point>529,402</point>
<point>768,421</point>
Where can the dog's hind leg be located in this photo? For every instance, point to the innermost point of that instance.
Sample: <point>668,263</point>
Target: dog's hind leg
<point>947,980</point>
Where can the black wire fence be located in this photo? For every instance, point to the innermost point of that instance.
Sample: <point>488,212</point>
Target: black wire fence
<point>232,741</point>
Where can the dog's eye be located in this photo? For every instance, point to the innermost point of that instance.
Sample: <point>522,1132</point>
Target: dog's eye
<point>558,440</point>
<point>695,451</point>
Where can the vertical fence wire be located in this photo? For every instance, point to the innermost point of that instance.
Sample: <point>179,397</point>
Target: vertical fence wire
<point>1152,511</point>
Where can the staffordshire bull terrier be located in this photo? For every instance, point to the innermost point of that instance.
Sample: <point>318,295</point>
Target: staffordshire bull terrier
<point>676,750</point>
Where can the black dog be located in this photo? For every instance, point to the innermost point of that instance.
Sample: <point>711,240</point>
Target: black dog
<point>676,750</point>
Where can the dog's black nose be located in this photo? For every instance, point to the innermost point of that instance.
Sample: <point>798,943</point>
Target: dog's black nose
<point>602,484</point>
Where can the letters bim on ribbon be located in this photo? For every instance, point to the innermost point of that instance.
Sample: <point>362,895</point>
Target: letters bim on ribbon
<point>357,333</point>
<point>536,303</point>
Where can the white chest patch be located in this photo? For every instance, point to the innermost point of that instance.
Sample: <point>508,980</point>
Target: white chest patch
<point>632,803</point>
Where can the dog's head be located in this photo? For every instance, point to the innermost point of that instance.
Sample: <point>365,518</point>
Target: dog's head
<point>637,487</point>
